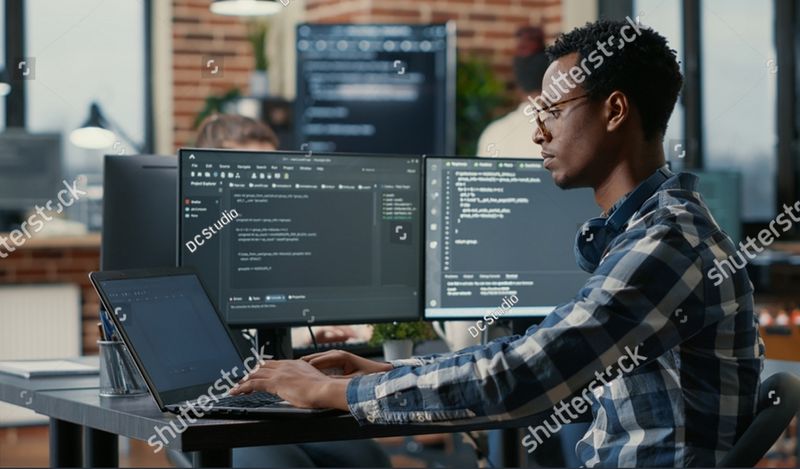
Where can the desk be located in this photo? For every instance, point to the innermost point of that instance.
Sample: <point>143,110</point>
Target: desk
<point>24,393</point>
<point>80,411</point>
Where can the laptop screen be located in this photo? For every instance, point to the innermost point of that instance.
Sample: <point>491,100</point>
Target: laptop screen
<point>173,328</point>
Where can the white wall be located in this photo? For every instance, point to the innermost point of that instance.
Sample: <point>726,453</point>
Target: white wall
<point>2,59</point>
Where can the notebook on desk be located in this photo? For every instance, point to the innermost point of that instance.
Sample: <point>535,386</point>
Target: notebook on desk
<point>46,368</point>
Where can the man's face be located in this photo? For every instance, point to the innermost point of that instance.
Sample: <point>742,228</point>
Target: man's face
<point>573,149</point>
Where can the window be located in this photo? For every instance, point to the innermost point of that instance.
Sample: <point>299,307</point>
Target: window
<point>665,17</point>
<point>739,98</point>
<point>84,51</point>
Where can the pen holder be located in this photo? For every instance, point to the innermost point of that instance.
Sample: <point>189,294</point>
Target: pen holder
<point>118,374</point>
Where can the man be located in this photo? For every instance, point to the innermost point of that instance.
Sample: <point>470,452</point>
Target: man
<point>669,362</point>
<point>510,136</point>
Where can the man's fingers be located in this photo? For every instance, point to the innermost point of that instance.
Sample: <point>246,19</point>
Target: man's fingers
<point>252,385</point>
<point>312,356</point>
<point>324,362</point>
<point>268,365</point>
<point>245,387</point>
<point>261,373</point>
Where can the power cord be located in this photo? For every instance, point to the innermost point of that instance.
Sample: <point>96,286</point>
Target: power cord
<point>313,338</point>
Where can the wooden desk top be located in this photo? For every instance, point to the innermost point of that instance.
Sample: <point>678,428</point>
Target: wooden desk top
<point>137,417</point>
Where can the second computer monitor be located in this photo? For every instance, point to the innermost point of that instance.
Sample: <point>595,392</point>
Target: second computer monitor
<point>291,239</point>
<point>497,229</point>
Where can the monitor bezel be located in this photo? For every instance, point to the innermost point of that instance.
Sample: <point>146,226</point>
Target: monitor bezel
<point>183,153</point>
<point>131,166</point>
<point>450,82</point>
<point>511,315</point>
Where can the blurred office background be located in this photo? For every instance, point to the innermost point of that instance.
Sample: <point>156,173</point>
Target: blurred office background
<point>154,69</point>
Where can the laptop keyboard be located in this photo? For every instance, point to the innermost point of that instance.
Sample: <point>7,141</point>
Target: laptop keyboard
<point>256,399</point>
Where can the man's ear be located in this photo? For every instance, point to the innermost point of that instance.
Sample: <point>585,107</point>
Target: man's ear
<point>617,110</point>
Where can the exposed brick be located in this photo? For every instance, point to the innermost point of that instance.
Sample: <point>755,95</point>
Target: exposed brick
<point>485,28</point>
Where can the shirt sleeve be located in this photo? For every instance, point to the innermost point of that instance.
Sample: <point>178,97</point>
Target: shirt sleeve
<point>432,358</point>
<point>645,297</point>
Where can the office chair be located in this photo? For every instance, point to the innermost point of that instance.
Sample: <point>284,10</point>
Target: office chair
<point>778,403</point>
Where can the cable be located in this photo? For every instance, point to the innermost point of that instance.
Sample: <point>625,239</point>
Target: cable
<point>313,339</point>
<point>478,451</point>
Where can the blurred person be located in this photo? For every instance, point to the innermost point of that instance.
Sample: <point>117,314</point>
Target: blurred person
<point>235,132</point>
<point>510,136</point>
<point>664,361</point>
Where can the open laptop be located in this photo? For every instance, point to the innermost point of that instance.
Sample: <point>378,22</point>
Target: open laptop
<point>181,346</point>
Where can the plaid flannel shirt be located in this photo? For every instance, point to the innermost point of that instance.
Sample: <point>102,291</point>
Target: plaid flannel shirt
<point>686,405</point>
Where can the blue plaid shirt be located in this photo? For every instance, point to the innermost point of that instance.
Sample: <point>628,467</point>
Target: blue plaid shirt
<point>685,405</point>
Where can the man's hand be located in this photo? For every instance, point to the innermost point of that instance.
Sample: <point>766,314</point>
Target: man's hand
<point>351,365</point>
<point>297,382</point>
<point>331,334</point>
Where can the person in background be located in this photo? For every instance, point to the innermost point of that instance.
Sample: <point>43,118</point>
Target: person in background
<point>235,132</point>
<point>510,136</point>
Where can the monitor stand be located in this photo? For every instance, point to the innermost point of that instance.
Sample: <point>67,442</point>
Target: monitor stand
<point>9,219</point>
<point>277,341</point>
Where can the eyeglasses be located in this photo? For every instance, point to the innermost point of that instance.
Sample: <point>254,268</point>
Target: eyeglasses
<point>544,114</point>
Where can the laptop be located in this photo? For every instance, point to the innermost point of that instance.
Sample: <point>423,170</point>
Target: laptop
<point>184,351</point>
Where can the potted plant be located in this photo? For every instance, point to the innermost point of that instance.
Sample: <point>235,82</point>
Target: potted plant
<point>257,35</point>
<point>216,105</point>
<point>398,337</point>
<point>479,96</point>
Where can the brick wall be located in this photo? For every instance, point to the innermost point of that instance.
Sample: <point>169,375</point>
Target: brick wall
<point>199,35</point>
<point>485,28</point>
<point>49,262</point>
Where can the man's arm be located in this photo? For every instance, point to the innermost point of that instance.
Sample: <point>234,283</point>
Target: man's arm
<point>435,357</point>
<point>627,307</point>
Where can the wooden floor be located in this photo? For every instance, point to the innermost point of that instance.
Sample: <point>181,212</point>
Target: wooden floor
<point>29,447</point>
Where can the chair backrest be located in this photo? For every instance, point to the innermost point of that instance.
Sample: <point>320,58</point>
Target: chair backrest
<point>778,403</point>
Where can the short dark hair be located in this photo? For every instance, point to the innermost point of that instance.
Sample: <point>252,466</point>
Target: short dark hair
<point>645,69</point>
<point>218,130</point>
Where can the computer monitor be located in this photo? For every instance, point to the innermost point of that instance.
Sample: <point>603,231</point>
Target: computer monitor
<point>282,238</point>
<point>385,88</point>
<point>721,191</point>
<point>30,171</point>
<point>496,229</point>
<point>140,206</point>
